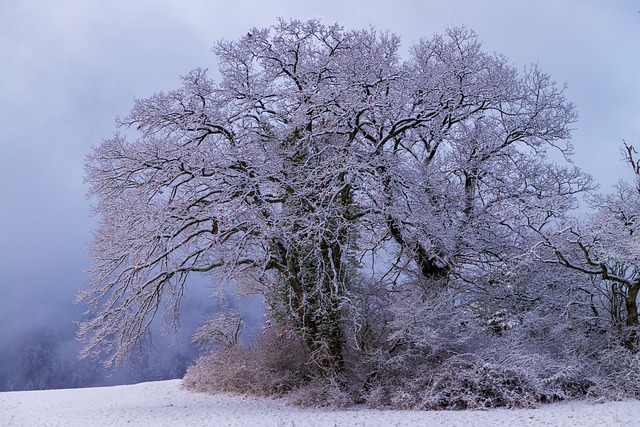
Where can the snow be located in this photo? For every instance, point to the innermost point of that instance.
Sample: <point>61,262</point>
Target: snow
<point>166,403</point>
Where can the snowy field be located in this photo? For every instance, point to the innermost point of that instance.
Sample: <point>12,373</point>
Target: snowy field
<point>165,403</point>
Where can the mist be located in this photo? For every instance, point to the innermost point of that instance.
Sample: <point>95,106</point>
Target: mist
<point>41,351</point>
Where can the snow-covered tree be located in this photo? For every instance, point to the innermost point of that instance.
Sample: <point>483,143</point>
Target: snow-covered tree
<point>605,247</point>
<point>318,163</point>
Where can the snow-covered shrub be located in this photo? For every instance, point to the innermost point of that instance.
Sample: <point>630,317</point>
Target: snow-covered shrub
<point>469,382</point>
<point>320,393</point>
<point>464,381</point>
<point>272,366</point>
<point>497,344</point>
<point>421,351</point>
<point>617,373</point>
<point>455,364</point>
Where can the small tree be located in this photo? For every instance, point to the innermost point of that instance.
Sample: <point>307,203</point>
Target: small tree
<point>319,163</point>
<point>605,247</point>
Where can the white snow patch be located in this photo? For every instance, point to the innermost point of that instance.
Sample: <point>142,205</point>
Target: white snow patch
<point>166,403</point>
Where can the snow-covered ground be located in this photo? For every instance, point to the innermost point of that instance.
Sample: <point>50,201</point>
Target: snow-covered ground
<point>165,403</point>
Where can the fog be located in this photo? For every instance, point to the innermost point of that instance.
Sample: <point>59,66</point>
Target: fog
<point>70,67</point>
<point>39,350</point>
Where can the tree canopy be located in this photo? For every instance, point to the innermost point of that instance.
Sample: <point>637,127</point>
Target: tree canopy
<point>321,167</point>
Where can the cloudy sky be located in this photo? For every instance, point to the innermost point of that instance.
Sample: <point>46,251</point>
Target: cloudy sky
<point>69,67</point>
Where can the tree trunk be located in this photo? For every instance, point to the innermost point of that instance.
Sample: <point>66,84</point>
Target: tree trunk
<point>429,266</point>
<point>316,314</point>
<point>323,338</point>
<point>631,304</point>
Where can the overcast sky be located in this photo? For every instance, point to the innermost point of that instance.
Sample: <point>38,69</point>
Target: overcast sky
<point>69,67</point>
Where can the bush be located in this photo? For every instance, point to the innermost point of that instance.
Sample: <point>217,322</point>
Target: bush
<point>273,366</point>
<point>617,374</point>
<point>464,381</point>
<point>320,393</point>
<point>420,352</point>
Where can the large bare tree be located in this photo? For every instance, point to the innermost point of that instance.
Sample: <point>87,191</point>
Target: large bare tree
<point>318,160</point>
